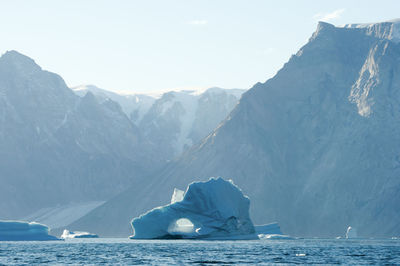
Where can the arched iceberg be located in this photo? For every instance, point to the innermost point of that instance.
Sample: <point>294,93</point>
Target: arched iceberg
<point>215,209</point>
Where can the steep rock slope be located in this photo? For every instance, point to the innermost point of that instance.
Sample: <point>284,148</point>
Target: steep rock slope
<point>180,119</point>
<point>56,147</point>
<point>316,148</point>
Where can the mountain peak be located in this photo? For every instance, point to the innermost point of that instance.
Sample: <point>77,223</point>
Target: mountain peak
<point>322,27</point>
<point>19,61</point>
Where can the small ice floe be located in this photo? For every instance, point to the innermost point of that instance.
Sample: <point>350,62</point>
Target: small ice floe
<point>268,229</point>
<point>275,237</point>
<point>69,234</point>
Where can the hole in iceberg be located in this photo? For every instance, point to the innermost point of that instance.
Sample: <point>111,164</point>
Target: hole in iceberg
<point>182,225</point>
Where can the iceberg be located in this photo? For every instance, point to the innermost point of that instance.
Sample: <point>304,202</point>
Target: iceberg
<point>275,237</point>
<point>268,229</point>
<point>24,231</point>
<point>351,232</point>
<point>69,234</point>
<point>215,209</point>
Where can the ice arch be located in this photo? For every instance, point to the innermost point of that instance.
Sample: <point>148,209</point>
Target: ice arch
<point>217,209</point>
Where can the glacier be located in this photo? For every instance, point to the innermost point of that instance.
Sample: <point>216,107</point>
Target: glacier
<point>24,231</point>
<point>214,209</point>
<point>77,234</point>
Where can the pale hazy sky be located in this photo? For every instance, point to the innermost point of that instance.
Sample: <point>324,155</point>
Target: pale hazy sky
<point>155,45</point>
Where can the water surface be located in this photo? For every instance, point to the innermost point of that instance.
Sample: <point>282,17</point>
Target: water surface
<point>178,252</point>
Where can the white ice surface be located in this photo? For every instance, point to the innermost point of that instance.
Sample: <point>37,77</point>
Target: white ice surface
<point>177,195</point>
<point>77,234</point>
<point>274,237</point>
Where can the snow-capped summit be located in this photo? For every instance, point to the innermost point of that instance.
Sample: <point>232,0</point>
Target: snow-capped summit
<point>389,29</point>
<point>134,105</point>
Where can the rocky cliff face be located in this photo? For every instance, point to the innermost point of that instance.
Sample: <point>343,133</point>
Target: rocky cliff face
<point>316,147</point>
<point>56,147</point>
<point>179,120</point>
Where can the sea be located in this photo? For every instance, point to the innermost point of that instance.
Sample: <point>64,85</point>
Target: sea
<point>107,251</point>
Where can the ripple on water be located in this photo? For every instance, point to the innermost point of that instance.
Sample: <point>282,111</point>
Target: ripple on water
<point>172,252</point>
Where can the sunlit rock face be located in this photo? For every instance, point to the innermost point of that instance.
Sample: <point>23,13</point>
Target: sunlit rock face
<point>216,209</point>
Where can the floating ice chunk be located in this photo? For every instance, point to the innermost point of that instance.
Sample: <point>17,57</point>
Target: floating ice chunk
<point>351,232</point>
<point>216,209</point>
<point>275,237</point>
<point>270,231</point>
<point>272,228</point>
<point>24,231</point>
<point>69,234</point>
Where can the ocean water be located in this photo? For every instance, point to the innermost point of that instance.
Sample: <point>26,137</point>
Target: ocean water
<point>184,252</point>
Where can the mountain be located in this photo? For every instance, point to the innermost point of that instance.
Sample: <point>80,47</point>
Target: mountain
<point>172,121</point>
<point>134,105</point>
<point>56,147</point>
<point>180,119</point>
<point>316,147</point>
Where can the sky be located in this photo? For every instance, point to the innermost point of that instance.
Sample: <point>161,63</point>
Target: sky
<point>152,45</point>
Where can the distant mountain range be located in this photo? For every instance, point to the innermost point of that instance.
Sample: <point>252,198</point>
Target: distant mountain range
<point>62,151</point>
<point>316,147</point>
<point>172,121</point>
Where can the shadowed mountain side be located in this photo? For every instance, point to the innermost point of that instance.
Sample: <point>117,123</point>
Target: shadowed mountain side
<point>56,147</point>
